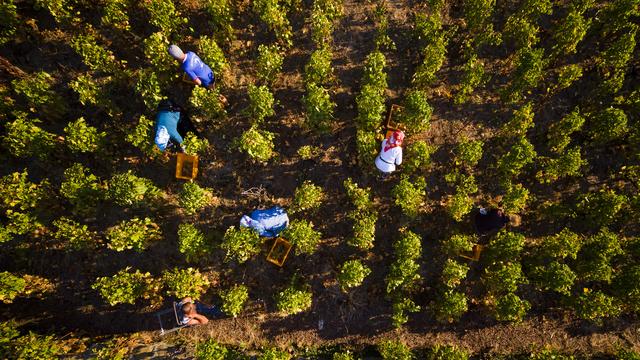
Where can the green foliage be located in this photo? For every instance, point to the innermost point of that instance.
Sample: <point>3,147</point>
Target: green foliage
<point>435,54</point>
<point>612,62</point>
<point>211,350</point>
<point>457,244</point>
<point>318,70</point>
<point>521,121</point>
<point>450,305</point>
<point>596,254</point>
<point>258,144</point>
<point>521,31</point>
<point>447,352</point>
<point>20,223</point>
<point>559,134</point>
<point>155,50</point>
<point>627,288</point>
<point>301,234</point>
<point>125,287</point>
<point>616,14</point>
<point>460,204</point>
<point>233,299</point>
<point>37,347</point>
<point>567,75</point>
<point>608,125</point>
<point>96,56</point>
<point>141,135</point>
<point>293,300</point>
<point>8,333</point>
<point>18,192</point>
<point>570,32</point>
<point>77,236</point>
<point>133,234</point>
<point>194,198</point>
<point>373,69</point>
<point>115,13</point>
<point>506,245</point>
<point>515,199</point>
<point>148,87</point>
<point>400,308</point>
<point>163,15</point>
<point>410,196</point>
<point>273,13</point>
<point>394,350</point>
<point>309,152</point>
<point>555,277</point>
<point>261,103</point>
<point>127,189</point>
<point>367,146</point>
<point>82,138</point>
<point>600,208</point>
<point>370,103</point>
<point>319,107</point>
<point>418,156</point>
<point>269,62</point>
<point>81,188</point>
<point>9,20</point>
<point>530,64</point>
<point>212,55</point>
<point>519,155</point>
<point>596,305</point>
<point>59,9</point>
<point>564,244</point>
<point>23,138</point>
<point>93,91</point>
<point>307,197</point>
<point>511,308</point>
<point>567,164</point>
<point>221,17</point>
<point>352,274</point>
<point>346,355</point>
<point>240,243</point>
<point>192,243</point>
<point>274,354</point>
<point>11,286</point>
<point>38,90</point>
<point>416,114</point>
<point>453,273</point>
<point>474,75</point>
<point>181,283</point>
<point>501,278</point>
<point>364,229</point>
<point>207,102</point>
<point>194,145</point>
<point>403,274</point>
<point>359,197</point>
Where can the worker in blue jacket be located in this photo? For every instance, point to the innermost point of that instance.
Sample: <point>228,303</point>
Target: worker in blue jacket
<point>172,125</point>
<point>199,72</point>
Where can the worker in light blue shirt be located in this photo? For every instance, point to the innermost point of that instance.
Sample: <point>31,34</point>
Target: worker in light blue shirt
<point>199,72</point>
<point>172,124</point>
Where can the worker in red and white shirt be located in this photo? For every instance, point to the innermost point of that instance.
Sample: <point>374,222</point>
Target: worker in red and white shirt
<point>390,154</point>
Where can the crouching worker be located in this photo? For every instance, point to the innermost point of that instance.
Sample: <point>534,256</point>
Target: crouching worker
<point>492,220</point>
<point>390,154</point>
<point>192,312</point>
<point>172,125</point>
<point>269,222</point>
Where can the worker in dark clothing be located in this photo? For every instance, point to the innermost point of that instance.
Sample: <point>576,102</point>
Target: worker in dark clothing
<point>172,125</point>
<point>490,220</point>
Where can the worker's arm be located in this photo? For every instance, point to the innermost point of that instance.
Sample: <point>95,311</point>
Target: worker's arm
<point>186,300</point>
<point>198,319</point>
<point>197,81</point>
<point>399,157</point>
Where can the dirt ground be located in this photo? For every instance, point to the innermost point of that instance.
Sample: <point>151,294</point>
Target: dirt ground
<point>362,317</point>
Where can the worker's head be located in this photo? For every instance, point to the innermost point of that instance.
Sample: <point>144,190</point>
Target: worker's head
<point>176,52</point>
<point>188,308</point>
<point>162,138</point>
<point>397,137</point>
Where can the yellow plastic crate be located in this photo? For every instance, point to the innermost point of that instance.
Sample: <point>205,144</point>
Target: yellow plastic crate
<point>186,166</point>
<point>279,252</point>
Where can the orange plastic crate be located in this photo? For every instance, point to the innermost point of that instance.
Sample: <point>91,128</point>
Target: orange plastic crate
<point>390,126</point>
<point>474,254</point>
<point>186,166</point>
<point>279,252</point>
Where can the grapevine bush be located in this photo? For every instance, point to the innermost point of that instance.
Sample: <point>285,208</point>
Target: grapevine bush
<point>308,196</point>
<point>269,63</point>
<point>240,243</point>
<point>127,189</point>
<point>76,235</point>
<point>410,196</point>
<point>83,138</point>
<point>126,287</point>
<point>192,242</point>
<point>302,235</point>
<point>352,273</point>
<point>133,234</point>
<point>293,300</point>
<point>258,144</point>
<point>194,198</point>
<point>181,283</point>
<point>81,188</point>
<point>233,299</point>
